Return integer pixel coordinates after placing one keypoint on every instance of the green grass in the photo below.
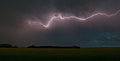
(62, 54)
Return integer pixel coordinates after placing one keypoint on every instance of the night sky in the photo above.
(99, 31)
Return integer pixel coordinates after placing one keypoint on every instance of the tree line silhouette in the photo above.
(7, 46)
(33, 46)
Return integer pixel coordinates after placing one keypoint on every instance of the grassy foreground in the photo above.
(62, 54)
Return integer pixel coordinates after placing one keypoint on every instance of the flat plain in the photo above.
(59, 54)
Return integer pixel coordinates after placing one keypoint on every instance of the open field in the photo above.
(59, 54)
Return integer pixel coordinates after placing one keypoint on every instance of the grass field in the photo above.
(62, 54)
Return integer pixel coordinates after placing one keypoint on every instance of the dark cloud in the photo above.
(14, 14)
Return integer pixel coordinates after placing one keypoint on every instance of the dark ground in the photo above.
(60, 54)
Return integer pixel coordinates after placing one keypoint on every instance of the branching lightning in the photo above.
(74, 17)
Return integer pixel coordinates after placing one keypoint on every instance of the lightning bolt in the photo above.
(74, 17)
